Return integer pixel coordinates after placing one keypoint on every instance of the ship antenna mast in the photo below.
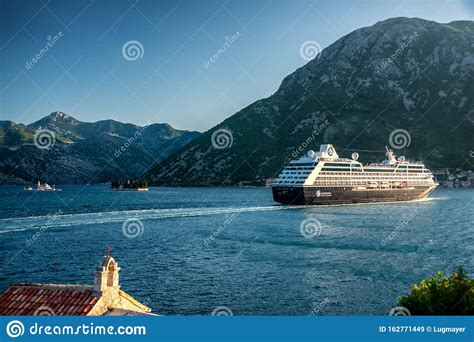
(390, 155)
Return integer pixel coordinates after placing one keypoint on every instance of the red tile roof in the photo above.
(24, 299)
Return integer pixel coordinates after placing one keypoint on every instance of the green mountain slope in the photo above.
(84, 152)
(401, 73)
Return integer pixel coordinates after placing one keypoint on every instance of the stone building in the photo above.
(103, 298)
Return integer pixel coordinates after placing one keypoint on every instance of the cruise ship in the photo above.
(325, 178)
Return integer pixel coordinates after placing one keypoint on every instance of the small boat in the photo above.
(42, 187)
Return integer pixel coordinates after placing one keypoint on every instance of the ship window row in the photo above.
(391, 167)
(372, 177)
(302, 164)
(362, 175)
(293, 177)
(298, 168)
(335, 180)
(340, 180)
(296, 172)
(318, 182)
(289, 182)
(324, 187)
(379, 167)
(335, 169)
(332, 169)
(355, 180)
(337, 164)
(372, 174)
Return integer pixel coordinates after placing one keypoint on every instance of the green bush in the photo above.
(442, 295)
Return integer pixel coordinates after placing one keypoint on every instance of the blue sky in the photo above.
(84, 73)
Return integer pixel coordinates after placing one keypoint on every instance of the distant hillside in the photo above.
(401, 73)
(84, 152)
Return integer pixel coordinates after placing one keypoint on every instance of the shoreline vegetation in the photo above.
(127, 185)
(441, 295)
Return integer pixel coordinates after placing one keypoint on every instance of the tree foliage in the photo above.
(129, 184)
(442, 295)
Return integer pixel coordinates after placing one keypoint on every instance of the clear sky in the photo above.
(84, 73)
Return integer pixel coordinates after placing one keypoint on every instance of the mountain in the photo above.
(83, 152)
(400, 74)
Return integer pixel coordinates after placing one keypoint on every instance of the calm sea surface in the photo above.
(259, 262)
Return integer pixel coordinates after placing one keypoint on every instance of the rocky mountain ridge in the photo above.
(61, 149)
(401, 75)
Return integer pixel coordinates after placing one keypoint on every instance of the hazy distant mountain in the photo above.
(401, 73)
(84, 152)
